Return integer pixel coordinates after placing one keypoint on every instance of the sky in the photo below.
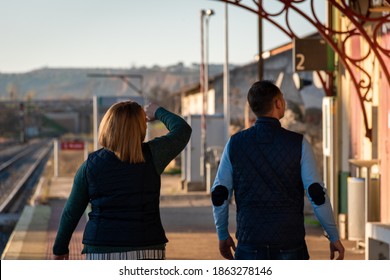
(129, 33)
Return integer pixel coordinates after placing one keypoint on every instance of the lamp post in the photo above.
(204, 85)
(208, 14)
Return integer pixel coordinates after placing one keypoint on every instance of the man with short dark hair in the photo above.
(269, 169)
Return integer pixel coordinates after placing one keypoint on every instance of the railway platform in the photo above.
(191, 238)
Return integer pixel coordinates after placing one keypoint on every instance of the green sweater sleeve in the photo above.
(73, 210)
(165, 148)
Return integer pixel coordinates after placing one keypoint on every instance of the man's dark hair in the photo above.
(260, 97)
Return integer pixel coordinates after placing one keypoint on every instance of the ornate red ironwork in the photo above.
(337, 37)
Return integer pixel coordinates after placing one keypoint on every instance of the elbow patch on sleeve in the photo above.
(317, 193)
(219, 195)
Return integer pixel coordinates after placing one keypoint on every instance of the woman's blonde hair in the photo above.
(122, 131)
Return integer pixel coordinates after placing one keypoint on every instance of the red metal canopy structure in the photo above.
(361, 14)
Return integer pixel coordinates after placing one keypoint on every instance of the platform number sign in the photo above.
(312, 55)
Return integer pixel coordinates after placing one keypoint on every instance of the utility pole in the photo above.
(204, 77)
(226, 79)
(260, 30)
(203, 93)
(260, 62)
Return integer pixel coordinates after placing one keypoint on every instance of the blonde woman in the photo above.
(121, 181)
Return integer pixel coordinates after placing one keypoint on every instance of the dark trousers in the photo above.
(272, 252)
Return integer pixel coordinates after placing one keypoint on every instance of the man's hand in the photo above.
(225, 247)
(336, 246)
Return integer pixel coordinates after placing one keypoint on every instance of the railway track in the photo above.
(20, 168)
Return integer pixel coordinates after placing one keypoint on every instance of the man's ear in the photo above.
(278, 103)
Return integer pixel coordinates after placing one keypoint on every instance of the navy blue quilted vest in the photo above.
(267, 184)
(125, 202)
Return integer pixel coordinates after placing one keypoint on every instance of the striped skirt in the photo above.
(129, 255)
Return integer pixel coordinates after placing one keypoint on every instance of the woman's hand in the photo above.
(150, 111)
(61, 257)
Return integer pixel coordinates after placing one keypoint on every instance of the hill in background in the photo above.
(68, 83)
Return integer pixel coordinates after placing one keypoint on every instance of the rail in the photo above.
(19, 170)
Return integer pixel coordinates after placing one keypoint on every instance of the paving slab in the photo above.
(187, 219)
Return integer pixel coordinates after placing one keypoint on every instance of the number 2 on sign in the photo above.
(300, 61)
